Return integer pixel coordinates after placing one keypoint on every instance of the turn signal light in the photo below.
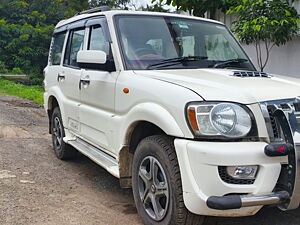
(193, 119)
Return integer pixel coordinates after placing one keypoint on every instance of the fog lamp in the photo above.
(242, 172)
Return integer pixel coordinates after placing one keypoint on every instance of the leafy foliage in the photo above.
(24, 46)
(3, 68)
(200, 7)
(110, 3)
(26, 28)
(157, 7)
(265, 23)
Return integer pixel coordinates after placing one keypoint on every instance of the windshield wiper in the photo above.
(174, 61)
(229, 62)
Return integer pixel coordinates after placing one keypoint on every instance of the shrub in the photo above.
(17, 70)
(3, 67)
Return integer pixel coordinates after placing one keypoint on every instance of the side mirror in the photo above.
(91, 57)
(95, 60)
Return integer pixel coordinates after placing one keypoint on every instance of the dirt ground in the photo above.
(36, 188)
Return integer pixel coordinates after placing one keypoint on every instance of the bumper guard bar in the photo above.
(239, 201)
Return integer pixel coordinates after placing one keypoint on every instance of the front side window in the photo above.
(75, 44)
(97, 40)
(57, 48)
(158, 42)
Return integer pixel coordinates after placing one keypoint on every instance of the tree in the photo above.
(157, 7)
(109, 3)
(25, 34)
(26, 27)
(199, 7)
(265, 23)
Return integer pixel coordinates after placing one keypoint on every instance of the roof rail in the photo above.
(94, 10)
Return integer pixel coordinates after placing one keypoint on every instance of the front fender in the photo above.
(156, 115)
(144, 112)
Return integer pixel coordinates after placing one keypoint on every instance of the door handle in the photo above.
(60, 76)
(84, 81)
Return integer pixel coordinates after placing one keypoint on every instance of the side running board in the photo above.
(97, 155)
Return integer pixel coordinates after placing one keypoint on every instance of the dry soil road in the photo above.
(36, 188)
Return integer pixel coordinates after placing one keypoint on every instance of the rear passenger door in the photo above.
(98, 95)
(70, 76)
(54, 67)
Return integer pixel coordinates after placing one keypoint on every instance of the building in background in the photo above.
(284, 60)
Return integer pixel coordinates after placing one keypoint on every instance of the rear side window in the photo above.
(97, 40)
(75, 44)
(57, 48)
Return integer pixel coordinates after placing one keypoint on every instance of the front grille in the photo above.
(230, 180)
(290, 107)
(250, 74)
(274, 124)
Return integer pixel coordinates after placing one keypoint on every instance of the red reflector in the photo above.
(280, 149)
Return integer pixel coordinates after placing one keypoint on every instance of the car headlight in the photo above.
(219, 119)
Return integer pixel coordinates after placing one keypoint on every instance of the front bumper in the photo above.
(199, 162)
(278, 178)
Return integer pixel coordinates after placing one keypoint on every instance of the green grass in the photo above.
(33, 93)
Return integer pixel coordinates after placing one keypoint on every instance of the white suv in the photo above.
(173, 107)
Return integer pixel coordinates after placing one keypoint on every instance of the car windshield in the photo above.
(166, 42)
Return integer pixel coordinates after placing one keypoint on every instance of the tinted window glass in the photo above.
(219, 48)
(57, 48)
(97, 40)
(148, 41)
(75, 44)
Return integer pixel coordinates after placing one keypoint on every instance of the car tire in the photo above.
(157, 186)
(62, 150)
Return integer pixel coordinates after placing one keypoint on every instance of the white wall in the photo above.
(284, 60)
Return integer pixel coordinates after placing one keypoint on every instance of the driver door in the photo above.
(97, 91)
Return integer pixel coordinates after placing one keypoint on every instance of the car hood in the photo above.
(221, 85)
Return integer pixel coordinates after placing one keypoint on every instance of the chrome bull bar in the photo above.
(295, 196)
(240, 201)
(288, 123)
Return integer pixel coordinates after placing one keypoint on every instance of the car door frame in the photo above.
(70, 78)
(98, 131)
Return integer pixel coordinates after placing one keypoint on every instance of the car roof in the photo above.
(126, 12)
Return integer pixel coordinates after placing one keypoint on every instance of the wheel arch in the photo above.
(51, 104)
(135, 134)
(142, 121)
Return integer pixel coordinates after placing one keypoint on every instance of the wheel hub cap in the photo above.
(153, 188)
(57, 133)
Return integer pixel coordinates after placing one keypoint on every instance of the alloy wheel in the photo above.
(153, 188)
(57, 132)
